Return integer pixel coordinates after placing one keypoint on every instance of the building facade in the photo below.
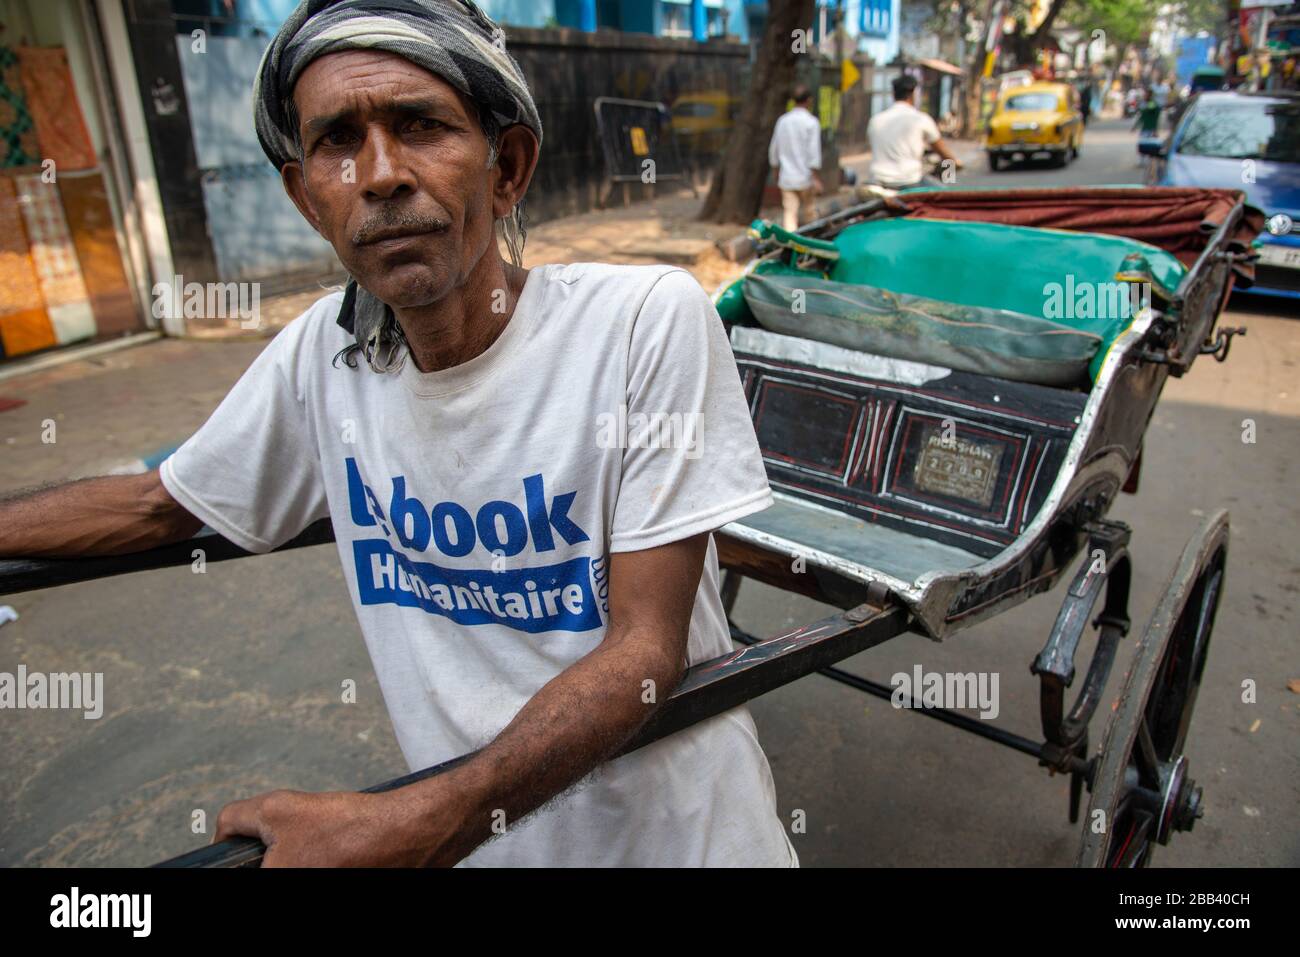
(872, 25)
(78, 224)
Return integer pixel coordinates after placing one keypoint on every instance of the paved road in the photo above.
(227, 683)
(1108, 157)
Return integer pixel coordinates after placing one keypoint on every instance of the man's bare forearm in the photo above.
(112, 515)
(578, 720)
(940, 147)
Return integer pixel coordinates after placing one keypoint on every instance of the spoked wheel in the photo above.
(1142, 792)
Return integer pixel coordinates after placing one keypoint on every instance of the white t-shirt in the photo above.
(796, 148)
(476, 508)
(899, 137)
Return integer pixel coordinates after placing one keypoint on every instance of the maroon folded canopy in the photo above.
(1177, 219)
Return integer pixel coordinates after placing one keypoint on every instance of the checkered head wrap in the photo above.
(452, 39)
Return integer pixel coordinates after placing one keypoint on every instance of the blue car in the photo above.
(1248, 141)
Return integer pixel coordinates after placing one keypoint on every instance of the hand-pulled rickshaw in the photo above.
(950, 388)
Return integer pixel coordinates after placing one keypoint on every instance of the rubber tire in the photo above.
(1205, 554)
(995, 163)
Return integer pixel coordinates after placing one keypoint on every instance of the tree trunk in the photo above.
(974, 74)
(970, 126)
(736, 193)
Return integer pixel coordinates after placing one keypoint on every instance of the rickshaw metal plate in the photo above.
(958, 467)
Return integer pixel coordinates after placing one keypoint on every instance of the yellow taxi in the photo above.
(1032, 120)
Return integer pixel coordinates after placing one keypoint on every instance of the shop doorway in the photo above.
(65, 277)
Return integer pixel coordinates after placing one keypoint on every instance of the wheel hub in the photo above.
(1180, 801)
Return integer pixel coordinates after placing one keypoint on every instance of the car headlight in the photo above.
(1279, 224)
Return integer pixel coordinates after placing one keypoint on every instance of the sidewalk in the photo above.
(662, 230)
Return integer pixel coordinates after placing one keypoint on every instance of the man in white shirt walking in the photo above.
(900, 137)
(796, 154)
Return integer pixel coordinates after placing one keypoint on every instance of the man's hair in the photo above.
(452, 39)
(904, 87)
(802, 94)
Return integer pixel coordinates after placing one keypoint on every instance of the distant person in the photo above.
(1147, 124)
(1132, 102)
(1148, 116)
(900, 137)
(795, 153)
(1085, 101)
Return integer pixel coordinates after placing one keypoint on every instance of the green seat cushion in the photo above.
(993, 342)
(730, 302)
(1063, 278)
(1021, 269)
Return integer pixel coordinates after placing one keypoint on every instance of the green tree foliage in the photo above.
(1124, 21)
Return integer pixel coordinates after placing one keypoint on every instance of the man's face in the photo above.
(394, 174)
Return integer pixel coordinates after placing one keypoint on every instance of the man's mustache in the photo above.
(389, 224)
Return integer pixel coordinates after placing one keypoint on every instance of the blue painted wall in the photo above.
(1192, 52)
(524, 13)
(639, 16)
(633, 16)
